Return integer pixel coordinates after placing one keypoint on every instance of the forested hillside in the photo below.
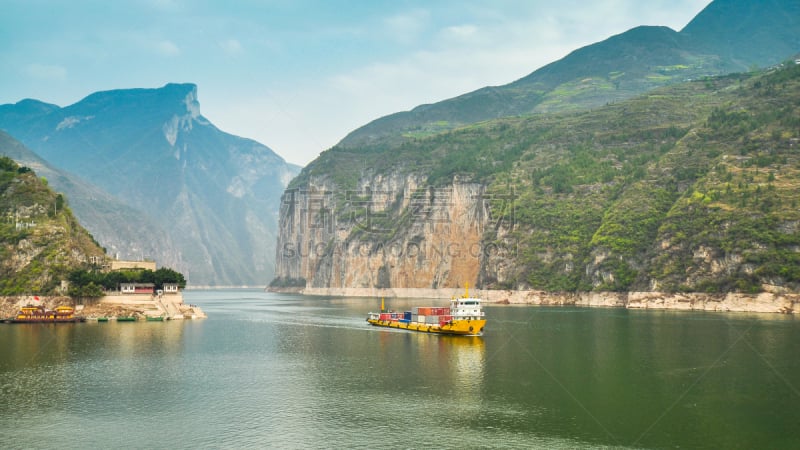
(40, 240)
(687, 188)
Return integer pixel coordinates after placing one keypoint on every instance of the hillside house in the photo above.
(137, 288)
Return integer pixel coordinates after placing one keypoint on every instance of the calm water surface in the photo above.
(283, 371)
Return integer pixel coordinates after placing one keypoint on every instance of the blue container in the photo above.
(404, 321)
(407, 315)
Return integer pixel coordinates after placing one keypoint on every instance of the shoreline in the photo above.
(140, 306)
(765, 302)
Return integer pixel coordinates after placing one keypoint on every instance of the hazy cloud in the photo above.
(460, 32)
(164, 5)
(407, 27)
(232, 47)
(46, 72)
(167, 48)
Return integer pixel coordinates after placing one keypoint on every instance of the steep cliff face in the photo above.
(390, 231)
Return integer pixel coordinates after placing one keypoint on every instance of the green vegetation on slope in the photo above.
(40, 240)
(688, 188)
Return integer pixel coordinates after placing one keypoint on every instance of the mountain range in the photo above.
(637, 163)
(151, 177)
(727, 36)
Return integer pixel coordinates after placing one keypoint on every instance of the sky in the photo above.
(299, 75)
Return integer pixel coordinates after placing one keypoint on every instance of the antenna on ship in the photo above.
(383, 308)
(466, 289)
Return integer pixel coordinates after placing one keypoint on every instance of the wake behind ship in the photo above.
(465, 316)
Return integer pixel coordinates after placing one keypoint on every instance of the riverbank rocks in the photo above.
(766, 302)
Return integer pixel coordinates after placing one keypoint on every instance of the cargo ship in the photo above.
(40, 314)
(464, 316)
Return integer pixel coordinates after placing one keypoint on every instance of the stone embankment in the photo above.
(168, 306)
(731, 302)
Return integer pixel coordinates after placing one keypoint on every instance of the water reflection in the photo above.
(467, 355)
(289, 371)
(53, 366)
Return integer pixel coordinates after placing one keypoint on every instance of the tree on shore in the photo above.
(85, 283)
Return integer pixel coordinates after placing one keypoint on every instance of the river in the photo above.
(287, 371)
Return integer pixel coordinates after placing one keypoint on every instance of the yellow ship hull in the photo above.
(461, 327)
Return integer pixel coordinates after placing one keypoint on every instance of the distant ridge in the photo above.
(214, 194)
(747, 33)
(727, 36)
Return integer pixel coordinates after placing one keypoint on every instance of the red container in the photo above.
(385, 316)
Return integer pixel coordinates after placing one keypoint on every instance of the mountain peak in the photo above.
(187, 92)
(172, 98)
(26, 109)
(747, 32)
(727, 36)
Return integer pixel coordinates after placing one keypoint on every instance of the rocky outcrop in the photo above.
(169, 306)
(730, 302)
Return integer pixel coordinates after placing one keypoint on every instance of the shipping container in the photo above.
(415, 310)
(385, 316)
(432, 320)
(425, 311)
(407, 315)
(420, 319)
(404, 321)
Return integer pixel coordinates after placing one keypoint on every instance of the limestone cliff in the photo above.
(392, 230)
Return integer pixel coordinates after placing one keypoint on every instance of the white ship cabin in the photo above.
(466, 308)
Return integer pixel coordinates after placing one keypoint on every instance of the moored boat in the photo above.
(464, 316)
(40, 314)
